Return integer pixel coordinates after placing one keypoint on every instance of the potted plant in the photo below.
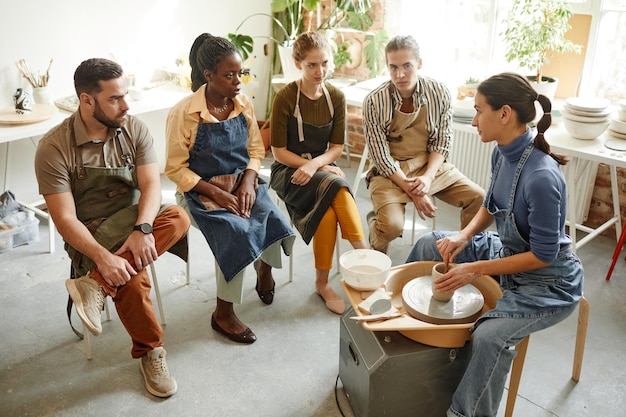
(535, 30)
(291, 17)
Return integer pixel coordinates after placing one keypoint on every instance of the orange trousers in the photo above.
(344, 211)
(132, 300)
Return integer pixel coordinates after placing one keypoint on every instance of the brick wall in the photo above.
(601, 208)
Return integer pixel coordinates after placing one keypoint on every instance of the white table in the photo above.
(158, 98)
(587, 151)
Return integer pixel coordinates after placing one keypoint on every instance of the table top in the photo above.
(158, 98)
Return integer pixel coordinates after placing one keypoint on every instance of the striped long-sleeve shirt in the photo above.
(378, 110)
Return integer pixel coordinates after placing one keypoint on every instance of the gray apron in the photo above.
(307, 204)
(222, 148)
(539, 292)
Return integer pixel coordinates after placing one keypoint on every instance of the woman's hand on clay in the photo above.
(450, 247)
(457, 277)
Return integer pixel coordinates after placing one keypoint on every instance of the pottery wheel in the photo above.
(465, 305)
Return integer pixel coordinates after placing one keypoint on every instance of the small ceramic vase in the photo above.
(23, 102)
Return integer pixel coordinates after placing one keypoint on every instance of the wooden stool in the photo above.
(518, 362)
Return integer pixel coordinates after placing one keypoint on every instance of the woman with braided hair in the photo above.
(214, 153)
(540, 276)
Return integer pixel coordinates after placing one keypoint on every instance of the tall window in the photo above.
(460, 39)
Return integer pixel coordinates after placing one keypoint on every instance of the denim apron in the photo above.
(307, 204)
(539, 292)
(222, 148)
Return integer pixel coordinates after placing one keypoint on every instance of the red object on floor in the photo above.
(618, 249)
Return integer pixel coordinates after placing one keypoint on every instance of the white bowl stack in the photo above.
(586, 118)
(617, 127)
(463, 111)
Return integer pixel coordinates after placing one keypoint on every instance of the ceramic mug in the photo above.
(438, 271)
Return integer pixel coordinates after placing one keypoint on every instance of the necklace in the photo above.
(219, 110)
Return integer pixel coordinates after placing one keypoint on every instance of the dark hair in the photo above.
(206, 53)
(308, 41)
(516, 91)
(90, 72)
(403, 42)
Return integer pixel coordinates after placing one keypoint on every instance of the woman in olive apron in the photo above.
(214, 154)
(307, 136)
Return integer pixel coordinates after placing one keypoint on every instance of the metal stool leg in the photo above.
(616, 252)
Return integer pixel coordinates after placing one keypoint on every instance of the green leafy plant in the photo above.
(535, 29)
(288, 18)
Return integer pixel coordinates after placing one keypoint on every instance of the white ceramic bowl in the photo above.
(364, 269)
(618, 125)
(583, 130)
(621, 113)
(622, 104)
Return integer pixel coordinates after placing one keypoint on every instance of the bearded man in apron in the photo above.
(99, 176)
(407, 123)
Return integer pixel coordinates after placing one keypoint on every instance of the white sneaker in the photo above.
(88, 297)
(157, 376)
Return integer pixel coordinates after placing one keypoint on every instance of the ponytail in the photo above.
(543, 125)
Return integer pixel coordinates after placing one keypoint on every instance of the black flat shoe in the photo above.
(247, 336)
(266, 296)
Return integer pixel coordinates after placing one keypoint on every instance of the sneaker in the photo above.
(158, 380)
(88, 297)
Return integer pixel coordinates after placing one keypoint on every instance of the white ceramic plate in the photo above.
(616, 144)
(568, 114)
(618, 126)
(615, 134)
(590, 104)
(464, 306)
(586, 113)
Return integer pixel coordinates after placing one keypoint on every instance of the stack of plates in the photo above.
(586, 118)
(617, 128)
(463, 111)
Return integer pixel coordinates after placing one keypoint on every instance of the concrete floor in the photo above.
(291, 370)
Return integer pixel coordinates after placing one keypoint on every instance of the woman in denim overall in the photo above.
(540, 276)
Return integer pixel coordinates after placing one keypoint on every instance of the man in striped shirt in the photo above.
(408, 129)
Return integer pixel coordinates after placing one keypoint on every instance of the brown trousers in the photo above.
(132, 300)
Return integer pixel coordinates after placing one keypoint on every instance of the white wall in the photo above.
(142, 35)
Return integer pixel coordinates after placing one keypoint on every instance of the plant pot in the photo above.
(264, 128)
(547, 87)
(290, 71)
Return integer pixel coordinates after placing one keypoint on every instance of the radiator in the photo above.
(470, 155)
(473, 158)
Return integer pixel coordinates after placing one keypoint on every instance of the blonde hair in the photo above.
(308, 41)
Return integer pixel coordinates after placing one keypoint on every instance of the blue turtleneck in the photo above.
(540, 204)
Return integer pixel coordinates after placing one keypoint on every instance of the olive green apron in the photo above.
(408, 144)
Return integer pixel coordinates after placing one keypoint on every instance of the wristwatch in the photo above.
(144, 228)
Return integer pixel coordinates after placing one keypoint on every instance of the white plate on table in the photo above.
(588, 104)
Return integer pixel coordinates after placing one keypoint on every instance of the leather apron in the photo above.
(307, 205)
(408, 144)
(222, 148)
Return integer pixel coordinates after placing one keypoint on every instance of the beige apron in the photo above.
(408, 141)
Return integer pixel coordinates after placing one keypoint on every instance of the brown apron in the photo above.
(408, 141)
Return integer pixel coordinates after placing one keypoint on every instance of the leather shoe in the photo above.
(266, 296)
(247, 336)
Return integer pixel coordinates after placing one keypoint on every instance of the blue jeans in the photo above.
(480, 391)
